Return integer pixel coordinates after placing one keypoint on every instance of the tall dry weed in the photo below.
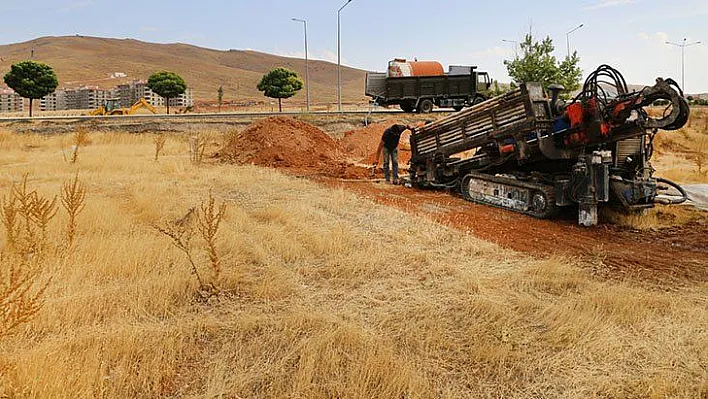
(43, 211)
(159, 140)
(21, 293)
(73, 195)
(197, 147)
(80, 139)
(206, 221)
(10, 219)
(24, 202)
(26, 216)
(209, 217)
(181, 233)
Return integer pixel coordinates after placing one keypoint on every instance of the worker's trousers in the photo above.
(392, 157)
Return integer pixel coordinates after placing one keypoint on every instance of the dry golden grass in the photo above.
(323, 294)
(682, 155)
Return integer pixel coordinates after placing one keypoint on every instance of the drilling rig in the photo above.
(533, 153)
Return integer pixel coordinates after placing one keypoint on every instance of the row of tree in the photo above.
(34, 80)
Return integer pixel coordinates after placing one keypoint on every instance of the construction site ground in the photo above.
(338, 152)
(674, 248)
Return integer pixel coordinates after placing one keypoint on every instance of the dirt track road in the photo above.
(671, 255)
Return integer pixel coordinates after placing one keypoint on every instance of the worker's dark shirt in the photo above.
(391, 136)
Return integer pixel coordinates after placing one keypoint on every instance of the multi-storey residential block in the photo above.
(86, 97)
(183, 100)
(129, 93)
(91, 97)
(11, 101)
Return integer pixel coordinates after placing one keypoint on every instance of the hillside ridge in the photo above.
(88, 60)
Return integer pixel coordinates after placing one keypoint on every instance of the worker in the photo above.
(389, 146)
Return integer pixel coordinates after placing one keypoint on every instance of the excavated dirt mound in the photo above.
(284, 142)
(360, 145)
(281, 142)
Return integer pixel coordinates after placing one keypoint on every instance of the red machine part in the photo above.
(586, 121)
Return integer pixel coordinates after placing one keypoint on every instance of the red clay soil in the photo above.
(360, 145)
(284, 142)
(673, 256)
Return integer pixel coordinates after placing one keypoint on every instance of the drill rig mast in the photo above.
(529, 153)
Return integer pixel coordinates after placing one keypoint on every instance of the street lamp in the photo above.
(307, 67)
(339, 58)
(513, 42)
(567, 37)
(683, 46)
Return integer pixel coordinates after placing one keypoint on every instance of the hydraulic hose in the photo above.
(671, 201)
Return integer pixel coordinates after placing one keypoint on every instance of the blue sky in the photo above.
(627, 34)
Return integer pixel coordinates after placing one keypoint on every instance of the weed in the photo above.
(79, 138)
(159, 139)
(181, 233)
(43, 211)
(21, 295)
(8, 215)
(208, 219)
(24, 202)
(73, 195)
(197, 146)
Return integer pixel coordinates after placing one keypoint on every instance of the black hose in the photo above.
(671, 201)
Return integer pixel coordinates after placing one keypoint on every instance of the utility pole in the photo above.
(683, 46)
(339, 58)
(307, 67)
(567, 37)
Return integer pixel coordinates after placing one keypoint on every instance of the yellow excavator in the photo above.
(112, 107)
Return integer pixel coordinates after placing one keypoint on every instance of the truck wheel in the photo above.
(477, 100)
(457, 108)
(425, 106)
(406, 107)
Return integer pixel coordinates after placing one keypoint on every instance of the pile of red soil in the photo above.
(284, 142)
(360, 145)
(281, 142)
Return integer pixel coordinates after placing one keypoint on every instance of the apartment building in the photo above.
(11, 101)
(91, 97)
(129, 93)
(85, 97)
(183, 100)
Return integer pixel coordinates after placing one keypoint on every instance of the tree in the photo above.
(280, 83)
(167, 85)
(220, 96)
(31, 80)
(538, 64)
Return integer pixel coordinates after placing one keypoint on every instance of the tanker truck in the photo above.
(533, 153)
(421, 85)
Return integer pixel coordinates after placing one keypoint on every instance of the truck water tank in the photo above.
(400, 67)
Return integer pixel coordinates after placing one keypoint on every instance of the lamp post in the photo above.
(683, 46)
(567, 37)
(513, 42)
(307, 67)
(339, 58)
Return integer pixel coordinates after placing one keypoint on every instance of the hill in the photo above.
(91, 60)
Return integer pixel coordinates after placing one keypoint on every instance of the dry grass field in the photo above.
(683, 155)
(319, 293)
